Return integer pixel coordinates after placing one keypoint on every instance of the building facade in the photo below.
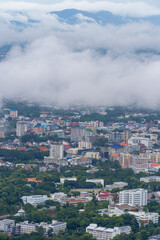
(135, 197)
(34, 199)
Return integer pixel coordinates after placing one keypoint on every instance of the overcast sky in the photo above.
(61, 62)
(123, 7)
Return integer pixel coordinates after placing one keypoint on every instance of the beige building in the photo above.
(26, 227)
(126, 135)
(95, 155)
(84, 145)
(13, 113)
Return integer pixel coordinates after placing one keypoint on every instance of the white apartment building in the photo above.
(136, 140)
(116, 185)
(144, 218)
(6, 225)
(13, 113)
(57, 150)
(62, 180)
(102, 233)
(34, 199)
(135, 197)
(21, 128)
(55, 225)
(96, 181)
(26, 227)
(150, 179)
(95, 155)
(58, 197)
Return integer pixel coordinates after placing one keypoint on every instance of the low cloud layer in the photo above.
(83, 63)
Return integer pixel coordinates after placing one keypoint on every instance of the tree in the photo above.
(50, 232)
(40, 230)
(75, 193)
(80, 205)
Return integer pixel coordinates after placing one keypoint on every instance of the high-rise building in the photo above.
(77, 134)
(134, 197)
(21, 128)
(89, 132)
(6, 225)
(126, 135)
(139, 164)
(57, 150)
(13, 113)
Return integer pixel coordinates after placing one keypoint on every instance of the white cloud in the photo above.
(122, 7)
(61, 62)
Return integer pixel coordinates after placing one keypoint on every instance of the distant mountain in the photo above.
(74, 16)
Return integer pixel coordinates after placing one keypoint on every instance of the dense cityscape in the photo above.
(78, 172)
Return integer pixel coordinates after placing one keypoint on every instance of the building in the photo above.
(13, 113)
(96, 181)
(155, 237)
(89, 132)
(62, 180)
(126, 135)
(141, 140)
(154, 157)
(116, 185)
(2, 134)
(139, 164)
(21, 128)
(26, 227)
(58, 133)
(34, 199)
(117, 212)
(94, 155)
(77, 134)
(57, 150)
(84, 145)
(102, 233)
(33, 180)
(105, 196)
(124, 160)
(150, 179)
(59, 197)
(79, 161)
(134, 148)
(20, 213)
(55, 226)
(135, 197)
(6, 225)
(116, 137)
(144, 218)
(50, 162)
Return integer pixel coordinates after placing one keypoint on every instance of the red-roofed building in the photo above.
(74, 124)
(66, 147)
(21, 148)
(105, 196)
(33, 180)
(44, 149)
